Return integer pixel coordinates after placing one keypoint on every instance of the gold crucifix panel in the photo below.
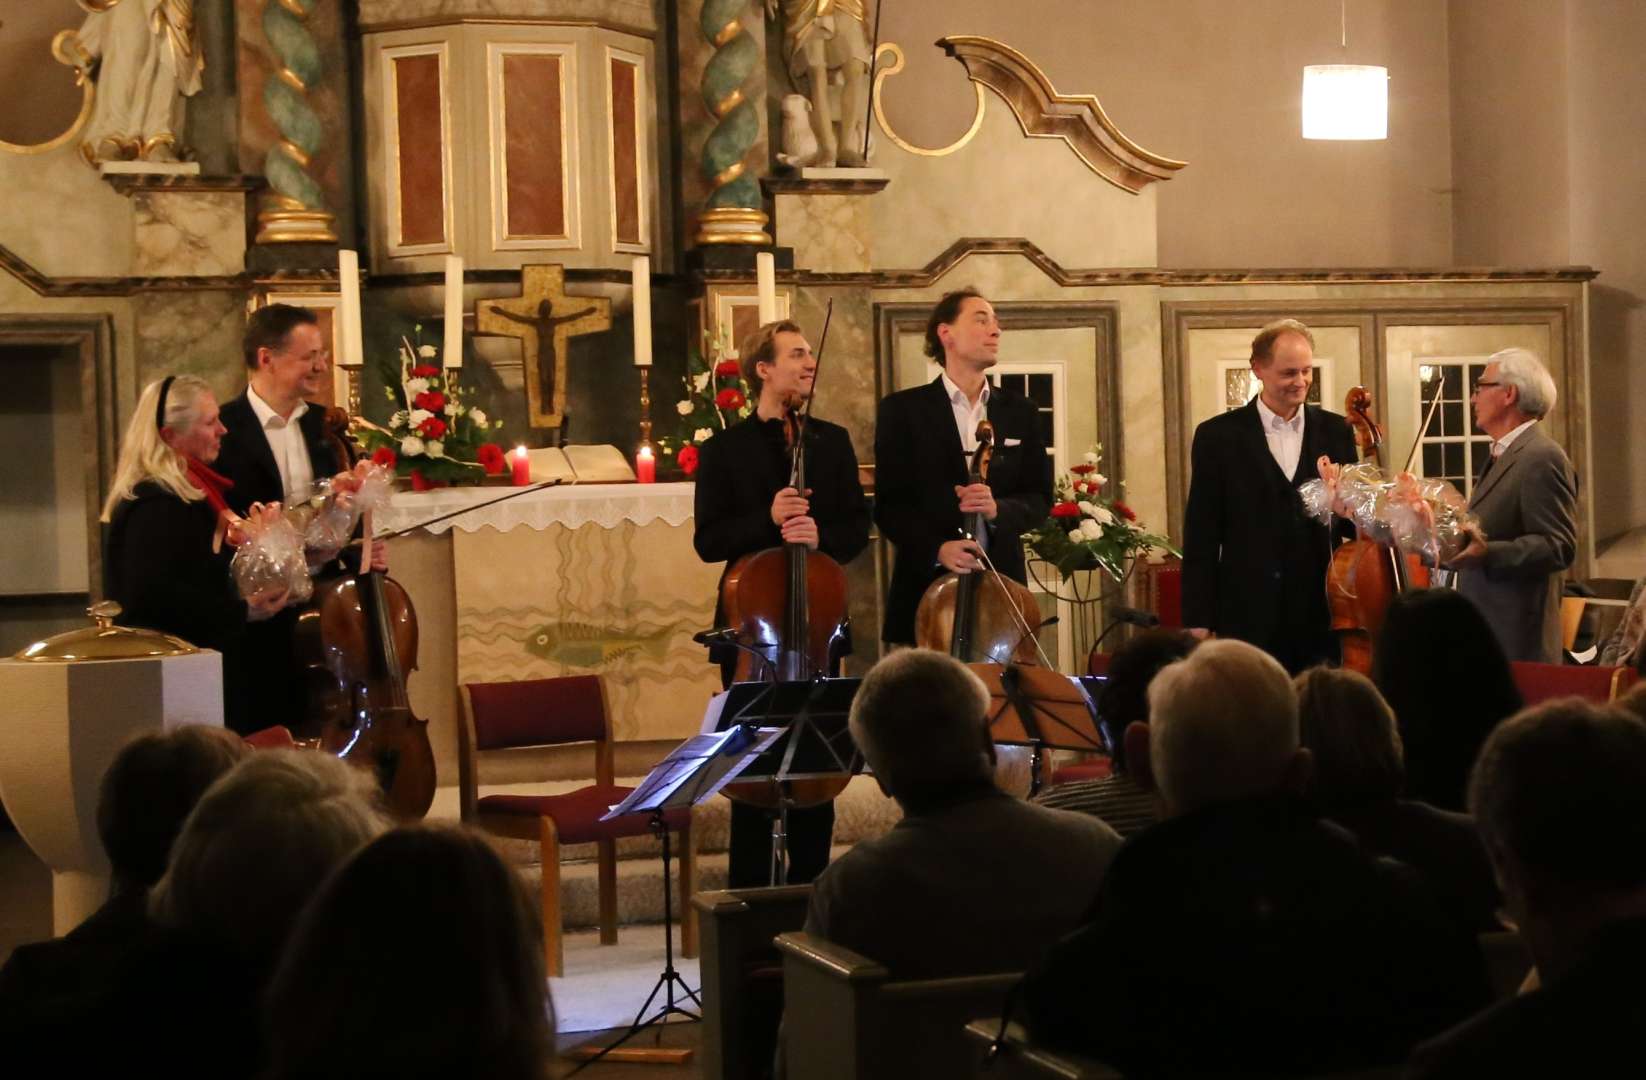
(545, 320)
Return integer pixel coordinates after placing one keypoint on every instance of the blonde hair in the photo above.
(144, 455)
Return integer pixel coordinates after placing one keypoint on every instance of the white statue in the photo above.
(799, 140)
(150, 63)
(826, 44)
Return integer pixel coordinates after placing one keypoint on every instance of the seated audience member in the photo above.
(149, 788)
(1560, 797)
(1120, 800)
(1623, 648)
(1357, 776)
(1443, 672)
(421, 957)
(1243, 934)
(972, 880)
(1635, 700)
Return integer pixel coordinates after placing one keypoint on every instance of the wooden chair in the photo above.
(551, 712)
(845, 1017)
(1540, 682)
(743, 975)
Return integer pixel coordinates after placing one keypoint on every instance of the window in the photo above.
(1043, 385)
(1451, 447)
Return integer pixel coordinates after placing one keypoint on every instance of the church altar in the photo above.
(583, 579)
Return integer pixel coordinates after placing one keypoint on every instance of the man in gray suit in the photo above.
(1526, 500)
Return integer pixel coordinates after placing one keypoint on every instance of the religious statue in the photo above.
(544, 323)
(545, 337)
(151, 61)
(826, 45)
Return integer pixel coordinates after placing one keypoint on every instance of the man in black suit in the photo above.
(922, 441)
(1254, 565)
(744, 504)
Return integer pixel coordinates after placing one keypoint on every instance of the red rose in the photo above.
(730, 399)
(1083, 468)
(384, 456)
(491, 456)
(727, 369)
(1065, 510)
(432, 400)
(688, 459)
(432, 428)
(1124, 511)
(425, 371)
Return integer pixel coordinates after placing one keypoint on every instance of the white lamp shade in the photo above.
(1345, 101)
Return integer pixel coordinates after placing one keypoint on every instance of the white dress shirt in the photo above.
(1503, 444)
(291, 454)
(1285, 437)
(966, 415)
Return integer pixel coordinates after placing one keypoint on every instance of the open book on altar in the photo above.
(604, 464)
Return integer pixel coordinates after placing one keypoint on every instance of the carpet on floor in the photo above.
(605, 985)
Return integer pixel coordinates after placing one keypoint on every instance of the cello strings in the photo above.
(1017, 616)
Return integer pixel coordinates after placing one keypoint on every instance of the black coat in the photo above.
(742, 469)
(918, 461)
(1254, 567)
(246, 459)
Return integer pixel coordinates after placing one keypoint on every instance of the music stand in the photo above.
(813, 740)
(1041, 709)
(692, 772)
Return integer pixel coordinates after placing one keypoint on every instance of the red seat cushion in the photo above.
(577, 814)
(1541, 682)
(1086, 770)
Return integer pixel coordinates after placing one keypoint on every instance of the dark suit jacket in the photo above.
(246, 459)
(1248, 549)
(918, 461)
(1527, 505)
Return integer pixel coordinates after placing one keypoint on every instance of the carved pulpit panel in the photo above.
(545, 320)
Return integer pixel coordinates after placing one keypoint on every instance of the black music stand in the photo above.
(692, 772)
(1041, 709)
(812, 740)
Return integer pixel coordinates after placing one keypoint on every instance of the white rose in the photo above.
(453, 408)
(416, 386)
(427, 351)
(1098, 478)
(478, 417)
(1097, 513)
(397, 419)
(701, 435)
(683, 407)
(411, 446)
(1091, 530)
(416, 417)
(700, 382)
(436, 448)
(1091, 457)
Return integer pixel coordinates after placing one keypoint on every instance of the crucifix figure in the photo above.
(544, 336)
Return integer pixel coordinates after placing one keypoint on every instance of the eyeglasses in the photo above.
(1484, 383)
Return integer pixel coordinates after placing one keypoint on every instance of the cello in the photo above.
(1365, 575)
(983, 615)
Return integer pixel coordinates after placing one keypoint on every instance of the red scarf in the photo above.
(211, 482)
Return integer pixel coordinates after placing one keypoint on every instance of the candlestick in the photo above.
(451, 356)
(522, 466)
(641, 274)
(645, 405)
(348, 287)
(765, 273)
(645, 466)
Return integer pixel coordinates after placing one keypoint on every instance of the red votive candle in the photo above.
(645, 466)
(522, 466)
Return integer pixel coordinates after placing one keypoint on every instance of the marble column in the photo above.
(721, 47)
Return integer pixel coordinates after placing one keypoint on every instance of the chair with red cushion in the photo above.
(551, 712)
(1540, 682)
(1160, 589)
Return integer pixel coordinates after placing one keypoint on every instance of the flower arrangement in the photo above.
(717, 396)
(433, 436)
(1088, 530)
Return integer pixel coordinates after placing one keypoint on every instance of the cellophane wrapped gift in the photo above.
(1424, 517)
(270, 559)
(341, 503)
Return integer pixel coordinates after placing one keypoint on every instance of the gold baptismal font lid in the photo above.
(105, 641)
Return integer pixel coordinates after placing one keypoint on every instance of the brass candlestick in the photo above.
(645, 405)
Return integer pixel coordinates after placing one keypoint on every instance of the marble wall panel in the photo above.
(190, 233)
(830, 234)
(627, 226)
(195, 332)
(633, 14)
(534, 130)
(419, 115)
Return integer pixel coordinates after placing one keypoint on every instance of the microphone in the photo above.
(726, 635)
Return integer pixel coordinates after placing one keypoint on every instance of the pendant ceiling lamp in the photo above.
(1345, 101)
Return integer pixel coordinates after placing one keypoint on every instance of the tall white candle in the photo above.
(642, 274)
(339, 385)
(765, 271)
(451, 353)
(348, 286)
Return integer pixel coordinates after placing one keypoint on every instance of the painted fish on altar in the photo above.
(586, 645)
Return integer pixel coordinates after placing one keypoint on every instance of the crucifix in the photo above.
(545, 320)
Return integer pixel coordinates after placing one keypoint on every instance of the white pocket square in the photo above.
(1014, 442)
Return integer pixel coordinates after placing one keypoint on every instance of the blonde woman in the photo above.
(161, 563)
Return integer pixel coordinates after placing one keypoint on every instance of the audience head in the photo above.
(1349, 731)
(1443, 672)
(1635, 700)
(421, 956)
(1559, 796)
(259, 843)
(1223, 726)
(149, 789)
(919, 719)
(1125, 696)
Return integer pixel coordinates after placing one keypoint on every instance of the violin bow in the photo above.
(380, 537)
(1417, 440)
